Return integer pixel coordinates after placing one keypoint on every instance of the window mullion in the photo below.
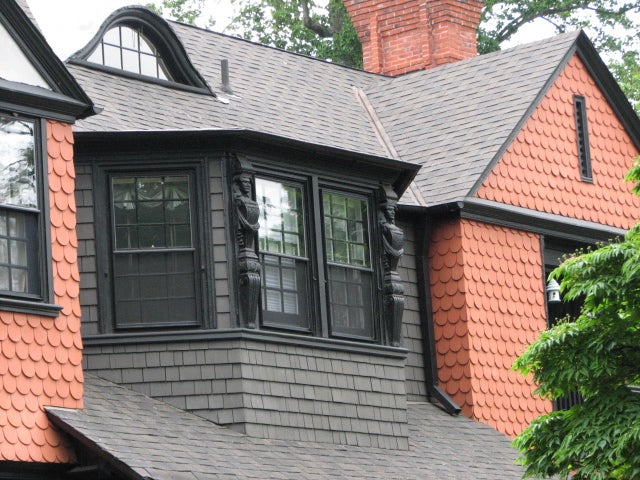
(319, 272)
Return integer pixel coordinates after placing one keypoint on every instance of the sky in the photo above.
(69, 24)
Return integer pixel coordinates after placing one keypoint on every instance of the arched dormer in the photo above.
(136, 42)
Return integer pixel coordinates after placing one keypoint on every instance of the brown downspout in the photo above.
(434, 391)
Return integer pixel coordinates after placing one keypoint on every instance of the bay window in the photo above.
(315, 251)
(154, 259)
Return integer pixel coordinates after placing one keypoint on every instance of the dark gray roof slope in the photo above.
(275, 92)
(453, 120)
(161, 442)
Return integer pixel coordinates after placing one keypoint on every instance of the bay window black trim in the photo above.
(196, 171)
(319, 307)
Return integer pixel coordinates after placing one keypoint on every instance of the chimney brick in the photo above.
(401, 36)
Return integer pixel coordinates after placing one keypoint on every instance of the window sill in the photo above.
(29, 307)
(244, 334)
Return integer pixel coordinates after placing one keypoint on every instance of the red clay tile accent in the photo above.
(540, 169)
(40, 357)
(488, 301)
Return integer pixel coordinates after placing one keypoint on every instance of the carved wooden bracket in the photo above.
(247, 214)
(392, 242)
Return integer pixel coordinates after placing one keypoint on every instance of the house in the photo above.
(278, 265)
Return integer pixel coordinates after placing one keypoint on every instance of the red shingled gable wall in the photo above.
(487, 281)
(540, 169)
(40, 357)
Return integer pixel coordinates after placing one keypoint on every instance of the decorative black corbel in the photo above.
(392, 242)
(247, 213)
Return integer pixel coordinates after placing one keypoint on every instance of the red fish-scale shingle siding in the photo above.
(488, 302)
(540, 170)
(40, 357)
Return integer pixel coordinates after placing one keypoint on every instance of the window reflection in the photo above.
(17, 166)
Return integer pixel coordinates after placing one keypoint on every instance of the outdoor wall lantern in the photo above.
(553, 292)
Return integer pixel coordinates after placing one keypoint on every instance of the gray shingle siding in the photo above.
(412, 327)
(269, 390)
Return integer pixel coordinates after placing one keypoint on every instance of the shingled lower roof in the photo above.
(454, 119)
(146, 438)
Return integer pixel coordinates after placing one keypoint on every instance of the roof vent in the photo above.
(224, 71)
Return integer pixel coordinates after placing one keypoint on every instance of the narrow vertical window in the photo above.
(346, 237)
(582, 132)
(283, 255)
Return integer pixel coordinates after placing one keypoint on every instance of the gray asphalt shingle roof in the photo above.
(454, 119)
(275, 92)
(162, 442)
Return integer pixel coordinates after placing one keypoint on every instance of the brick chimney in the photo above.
(401, 36)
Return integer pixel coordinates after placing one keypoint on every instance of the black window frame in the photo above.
(105, 241)
(582, 138)
(313, 185)
(181, 72)
(160, 64)
(39, 299)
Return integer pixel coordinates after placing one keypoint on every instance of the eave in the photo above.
(399, 173)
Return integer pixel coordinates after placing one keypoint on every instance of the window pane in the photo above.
(145, 46)
(96, 56)
(152, 212)
(351, 302)
(148, 65)
(4, 278)
(112, 56)
(112, 36)
(4, 250)
(19, 280)
(154, 289)
(17, 164)
(129, 38)
(346, 230)
(130, 61)
(284, 291)
(281, 218)
(19, 252)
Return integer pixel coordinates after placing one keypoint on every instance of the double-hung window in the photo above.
(317, 269)
(20, 272)
(348, 260)
(154, 258)
(283, 254)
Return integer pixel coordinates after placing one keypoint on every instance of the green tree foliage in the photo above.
(300, 26)
(598, 355)
(185, 11)
(612, 25)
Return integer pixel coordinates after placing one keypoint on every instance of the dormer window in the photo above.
(135, 42)
(128, 49)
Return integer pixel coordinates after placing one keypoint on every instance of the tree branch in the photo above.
(313, 25)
